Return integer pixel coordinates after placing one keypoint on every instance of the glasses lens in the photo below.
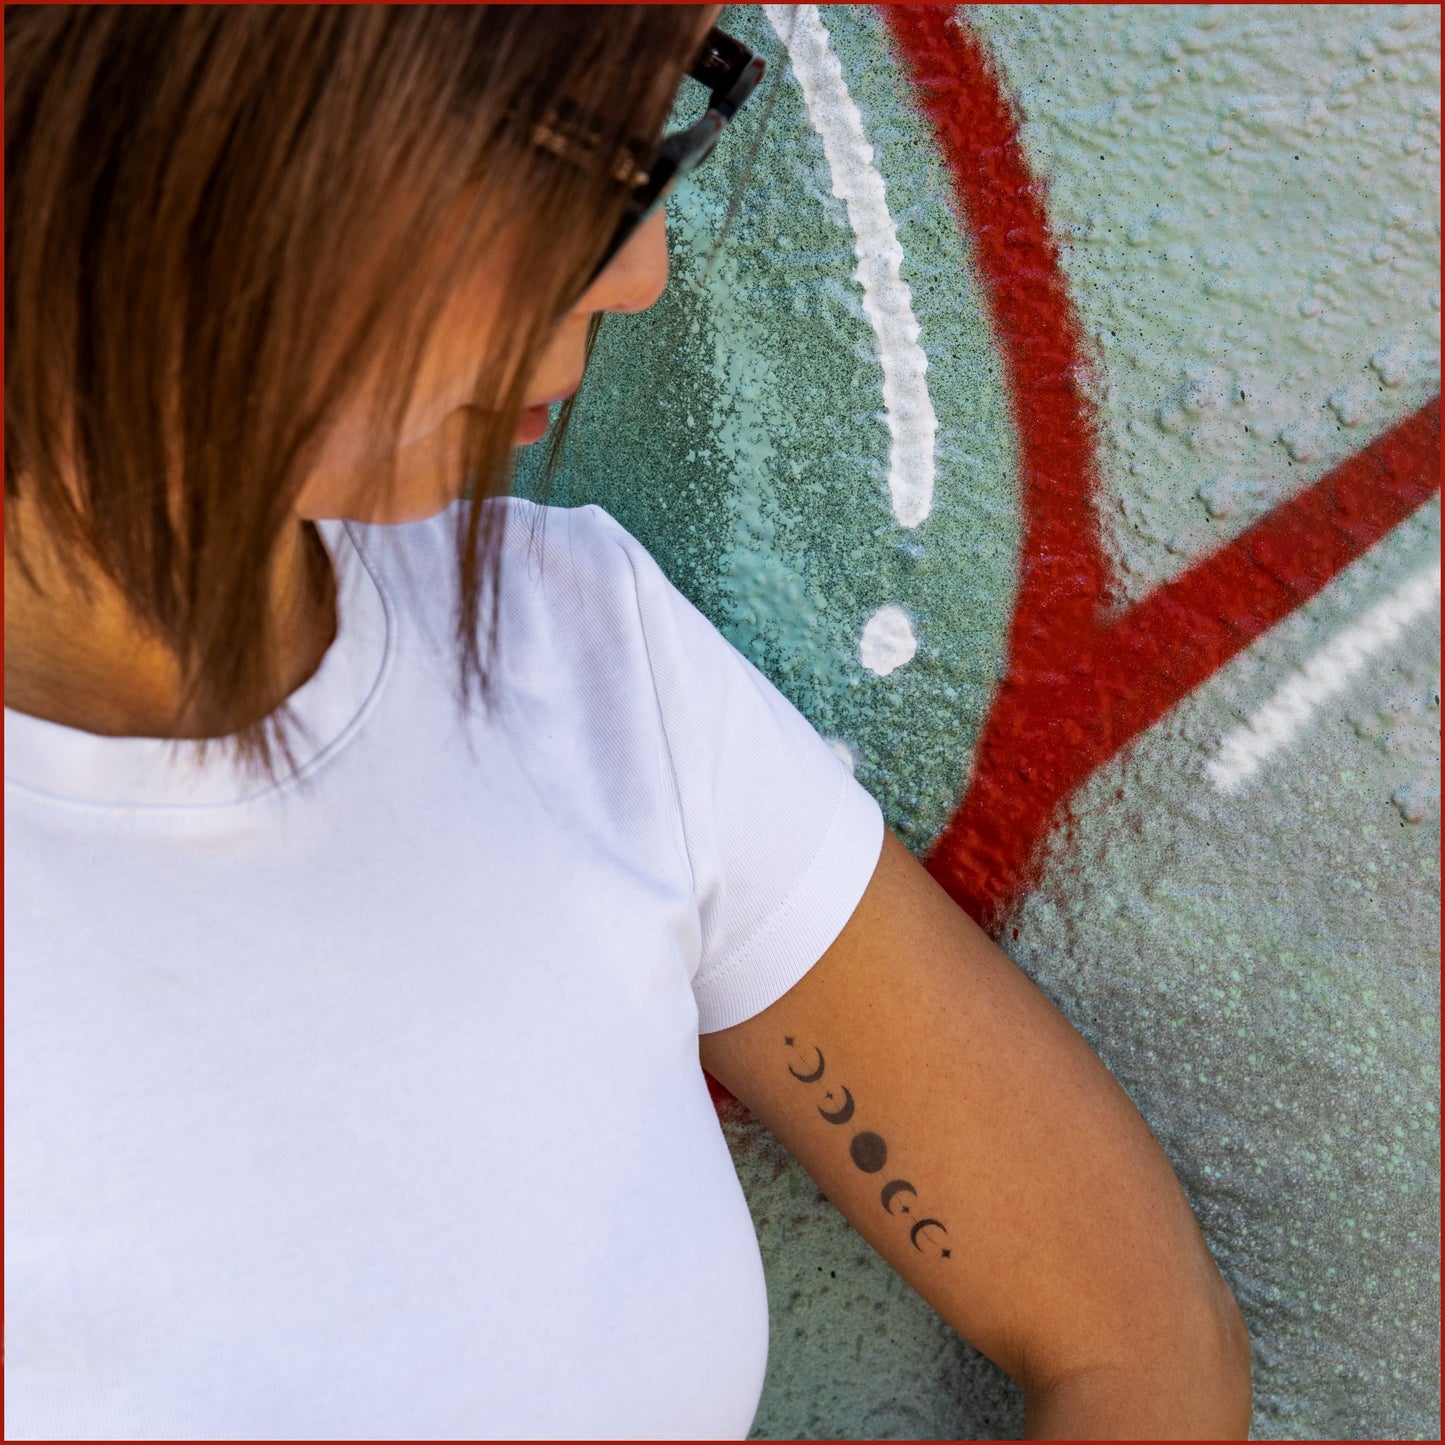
(691, 139)
(705, 150)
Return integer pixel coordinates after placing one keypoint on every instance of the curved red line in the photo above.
(1076, 688)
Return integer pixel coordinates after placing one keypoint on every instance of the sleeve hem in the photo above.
(802, 927)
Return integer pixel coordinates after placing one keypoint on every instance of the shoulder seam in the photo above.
(680, 816)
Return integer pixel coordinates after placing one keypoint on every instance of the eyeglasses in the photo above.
(731, 73)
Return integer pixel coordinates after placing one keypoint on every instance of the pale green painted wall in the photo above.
(1260, 970)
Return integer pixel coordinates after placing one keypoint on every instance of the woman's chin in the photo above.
(404, 505)
(417, 494)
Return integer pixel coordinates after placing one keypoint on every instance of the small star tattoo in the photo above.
(948, 1254)
(788, 1042)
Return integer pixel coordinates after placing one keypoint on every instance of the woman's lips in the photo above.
(532, 425)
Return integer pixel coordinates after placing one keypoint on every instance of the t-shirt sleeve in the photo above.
(781, 838)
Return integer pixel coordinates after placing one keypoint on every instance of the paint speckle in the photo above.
(1349, 405)
(1390, 365)
(1301, 439)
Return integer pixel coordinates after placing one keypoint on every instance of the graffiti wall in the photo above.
(1047, 399)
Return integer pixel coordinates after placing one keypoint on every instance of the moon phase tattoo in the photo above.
(869, 1153)
(809, 1078)
(919, 1227)
(892, 1189)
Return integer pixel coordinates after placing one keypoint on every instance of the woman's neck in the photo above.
(88, 663)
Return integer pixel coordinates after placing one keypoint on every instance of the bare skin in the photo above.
(964, 1128)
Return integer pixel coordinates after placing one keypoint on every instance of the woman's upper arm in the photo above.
(969, 1133)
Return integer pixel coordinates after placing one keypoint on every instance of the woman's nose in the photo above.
(636, 276)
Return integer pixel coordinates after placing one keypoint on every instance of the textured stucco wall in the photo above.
(1058, 427)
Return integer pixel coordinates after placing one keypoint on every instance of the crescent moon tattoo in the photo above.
(923, 1224)
(840, 1115)
(809, 1078)
(895, 1187)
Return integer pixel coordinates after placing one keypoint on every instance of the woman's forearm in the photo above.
(1146, 1403)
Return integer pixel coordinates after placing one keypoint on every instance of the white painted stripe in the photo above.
(1276, 724)
(887, 301)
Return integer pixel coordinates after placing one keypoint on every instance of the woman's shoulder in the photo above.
(573, 539)
(568, 576)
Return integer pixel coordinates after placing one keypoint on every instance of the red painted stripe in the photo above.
(1177, 636)
(1077, 689)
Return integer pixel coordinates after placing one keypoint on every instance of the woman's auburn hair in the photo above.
(212, 223)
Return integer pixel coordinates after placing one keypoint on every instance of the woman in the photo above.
(354, 1018)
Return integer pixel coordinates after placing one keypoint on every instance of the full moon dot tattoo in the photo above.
(869, 1152)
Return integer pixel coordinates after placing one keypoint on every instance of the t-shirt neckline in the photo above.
(68, 765)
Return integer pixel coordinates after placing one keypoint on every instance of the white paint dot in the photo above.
(888, 641)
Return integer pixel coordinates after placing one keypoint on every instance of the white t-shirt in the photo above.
(371, 1108)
